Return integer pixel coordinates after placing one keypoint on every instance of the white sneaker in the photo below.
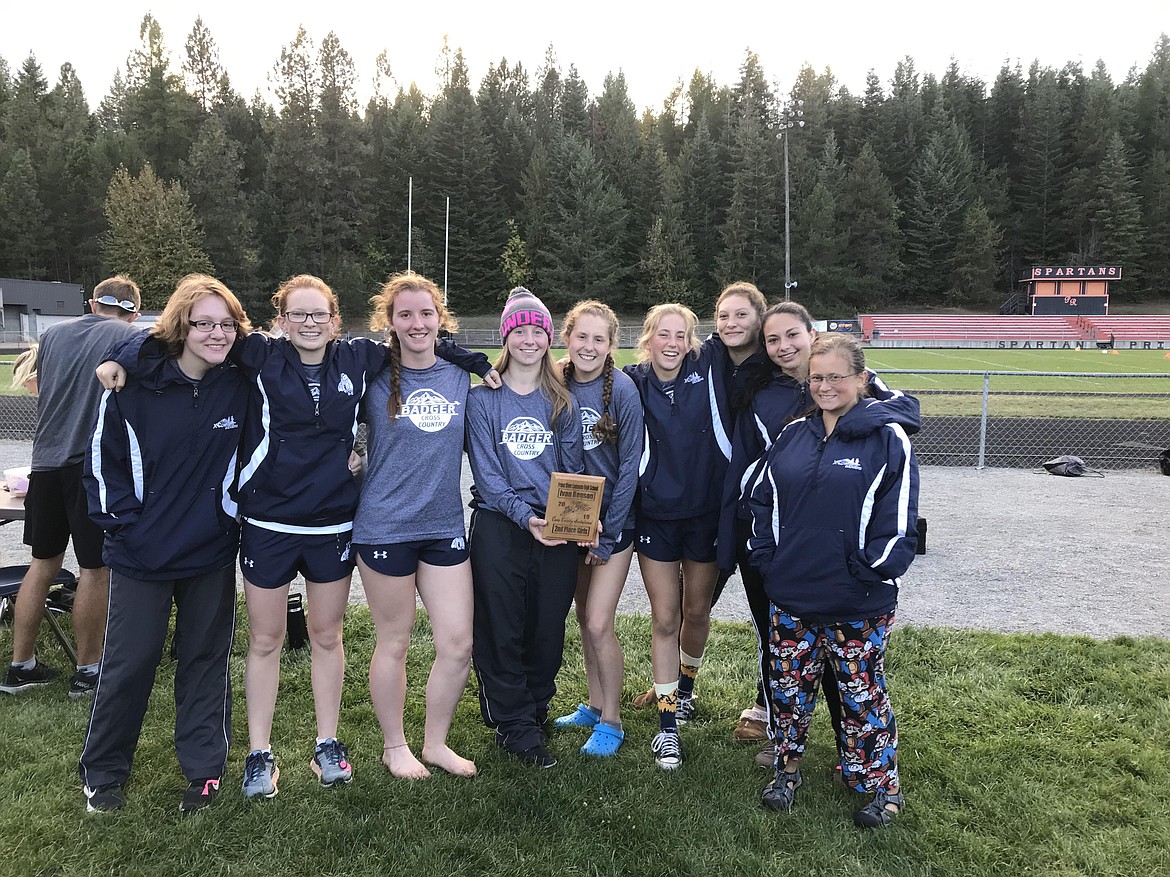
(668, 749)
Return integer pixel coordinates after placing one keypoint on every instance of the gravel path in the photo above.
(1008, 550)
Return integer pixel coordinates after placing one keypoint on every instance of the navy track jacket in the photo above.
(834, 518)
(757, 426)
(161, 469)
(687, 442)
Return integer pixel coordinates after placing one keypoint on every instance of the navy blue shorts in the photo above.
(402, 558)
(269, 559)
(624, 541)
(671, 541)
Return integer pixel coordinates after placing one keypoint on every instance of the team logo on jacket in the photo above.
(693, 378)
(427, 410)
(849, 463)
(345, 385)
(589, 418)
(526, 438)
(228, 422)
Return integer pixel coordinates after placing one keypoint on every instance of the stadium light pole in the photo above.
(791, 116)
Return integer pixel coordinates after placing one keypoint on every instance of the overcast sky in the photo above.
(654, 44)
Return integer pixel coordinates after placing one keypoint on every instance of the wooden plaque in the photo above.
(574, 507)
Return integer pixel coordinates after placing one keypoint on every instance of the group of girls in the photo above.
(816, 470)
(211, 410)
(694, 431)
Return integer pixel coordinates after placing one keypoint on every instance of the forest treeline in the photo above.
(924, 190)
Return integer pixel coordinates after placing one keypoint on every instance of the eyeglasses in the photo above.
(831, 380)
(114, 301)
(301, 316)
(228, 326)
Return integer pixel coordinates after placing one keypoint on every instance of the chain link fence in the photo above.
(979, 419)
(1020, 419)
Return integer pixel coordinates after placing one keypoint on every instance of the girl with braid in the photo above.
(409, 533)
(611, 432)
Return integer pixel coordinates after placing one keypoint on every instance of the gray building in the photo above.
(28, 307)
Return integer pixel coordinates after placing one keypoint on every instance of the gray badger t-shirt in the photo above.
(411, 490)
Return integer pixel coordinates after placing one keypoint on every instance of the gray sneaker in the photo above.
(331, 763)
(260, 775)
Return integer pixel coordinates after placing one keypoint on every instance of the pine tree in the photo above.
(618, 145)
(206, 78)
(505, 105)
(869, 214)
(582, 256)
(705, 197)
(753, 245)
(1156, 211)
(23, 218)
(25, 120)
(165, 116)
(70, 192)
(344, 199)
(975, 264)
(1115, 217)
(460, 167)
(290, 223)
(1042, 170)
(153, 234)
(213, 173)
(942, 189)
(668, 261)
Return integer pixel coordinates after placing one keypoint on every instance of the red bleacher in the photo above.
(1131, 327)
(940, 327)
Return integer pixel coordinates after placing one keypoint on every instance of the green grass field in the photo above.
(1021, 396)
(1020, 754)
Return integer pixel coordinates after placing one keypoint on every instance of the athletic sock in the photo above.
(89, 668)
(25, 665)
(617, 726)
(594, 710)
(688, 669)
(667, 693)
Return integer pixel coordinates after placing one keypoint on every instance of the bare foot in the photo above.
(400, 761)
(444, 758)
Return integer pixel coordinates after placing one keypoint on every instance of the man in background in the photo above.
(56, 506)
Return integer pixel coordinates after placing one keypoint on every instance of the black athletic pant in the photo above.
(761, 609)
(139, 613)
(523, 592)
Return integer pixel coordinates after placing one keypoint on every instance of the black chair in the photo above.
(59, 602)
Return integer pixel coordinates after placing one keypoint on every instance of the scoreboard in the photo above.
(1084, 305)
(1071, 290)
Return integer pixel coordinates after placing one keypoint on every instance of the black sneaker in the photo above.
(17, 680)
(536, 756)
(199, 794)
(105, 798)
(82, 683)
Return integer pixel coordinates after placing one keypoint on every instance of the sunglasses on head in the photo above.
(116, 302)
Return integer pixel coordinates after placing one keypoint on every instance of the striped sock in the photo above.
(667, 704)
(688, 669)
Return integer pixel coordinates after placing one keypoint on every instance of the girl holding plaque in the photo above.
(611, 433)
(517, 437)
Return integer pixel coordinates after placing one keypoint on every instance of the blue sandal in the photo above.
(605, 741)
(581, 717)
